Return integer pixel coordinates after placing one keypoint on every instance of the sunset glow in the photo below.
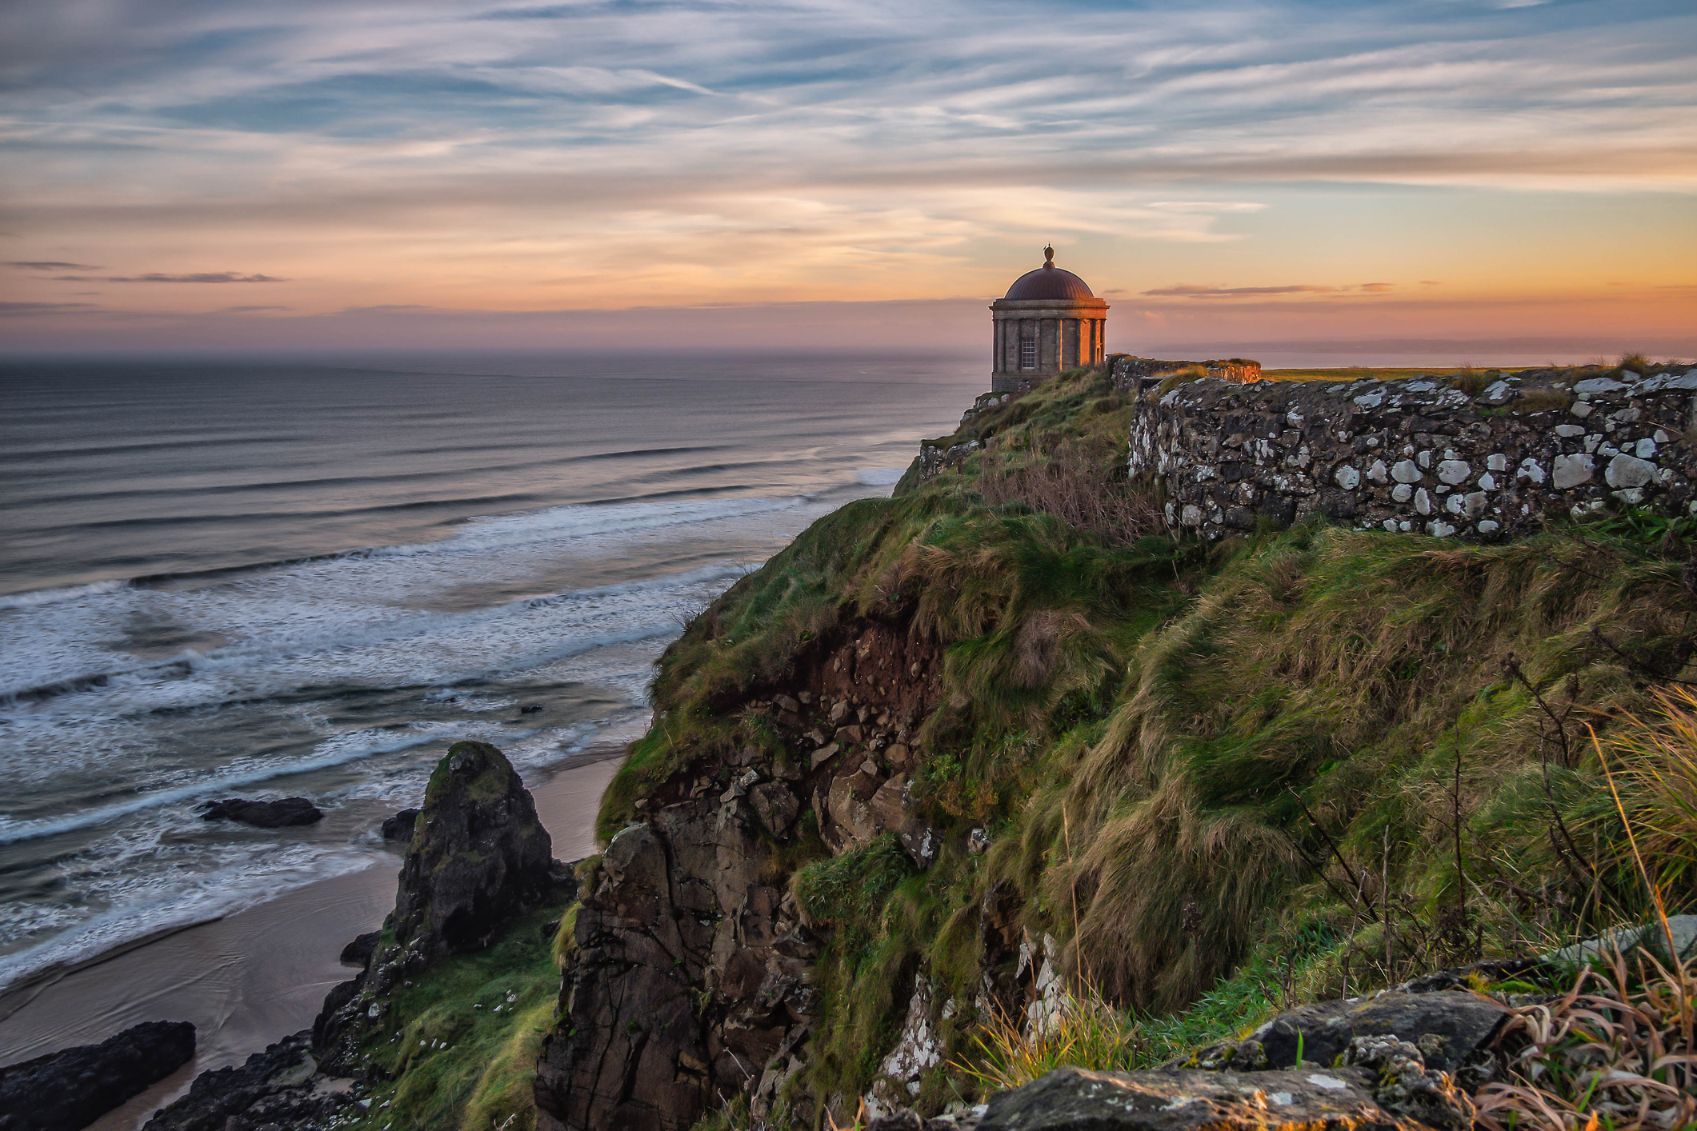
(207, 175)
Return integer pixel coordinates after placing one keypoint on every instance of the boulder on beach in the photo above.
(264, 814)
(398, 826)
(68, 1090)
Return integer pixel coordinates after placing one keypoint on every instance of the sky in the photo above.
(1451, 178)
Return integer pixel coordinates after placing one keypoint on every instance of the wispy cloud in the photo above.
(33, 309)
(1207, 292)
(160, 277)
(504, 153)
(50, 265)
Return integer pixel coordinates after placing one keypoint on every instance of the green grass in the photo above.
(475, 1067)
(1170, 744)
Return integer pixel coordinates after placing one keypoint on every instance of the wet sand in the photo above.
(255, 976)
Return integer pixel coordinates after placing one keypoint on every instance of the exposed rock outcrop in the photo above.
(1449, 1027)
(691, 977)
(1305, 1099)
(397, 827)
(68, 1090)
(281, 813)
(480, 857)
(277, 1088)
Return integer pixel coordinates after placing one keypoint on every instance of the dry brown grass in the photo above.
(1009, 1050)
(1616, 1051)
(1082, 483)
(1619, 1049)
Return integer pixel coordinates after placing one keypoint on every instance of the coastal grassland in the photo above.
(458, 1044)
(1221, 779)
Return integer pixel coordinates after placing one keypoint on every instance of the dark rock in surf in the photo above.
(358, 952)
(399, 826)
(287, 811)
(68, 1090)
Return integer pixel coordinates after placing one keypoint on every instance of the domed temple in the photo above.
(1048, 321)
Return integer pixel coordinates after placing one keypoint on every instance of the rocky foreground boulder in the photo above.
(66, 1091)
(1312, 1099)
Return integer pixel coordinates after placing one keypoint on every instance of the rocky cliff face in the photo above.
(943, 765)
(691, 984)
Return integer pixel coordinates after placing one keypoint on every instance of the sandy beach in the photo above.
(255, 976)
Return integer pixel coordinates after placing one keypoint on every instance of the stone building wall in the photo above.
(1420, 454)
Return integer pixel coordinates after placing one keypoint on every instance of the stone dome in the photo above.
(1049, 282)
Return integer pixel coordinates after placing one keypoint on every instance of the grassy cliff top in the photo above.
(1294, 763)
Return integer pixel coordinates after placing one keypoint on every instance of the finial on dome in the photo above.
(1048, 256)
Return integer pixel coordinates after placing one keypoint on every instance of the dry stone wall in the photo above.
(1419, 454)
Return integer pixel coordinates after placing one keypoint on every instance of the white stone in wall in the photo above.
(1402, 492)
(1488, 482)
(1347, 477)
(1453, 471)
(1568, 431)
(1530, 470)
(1686, 381)
(1378, 473)
(1406, 471)
(1646, 448)
(1581, 409)
(1422, 502)
(1496, 461)
(1593, 385)
(1626, 471)
(1571, 470)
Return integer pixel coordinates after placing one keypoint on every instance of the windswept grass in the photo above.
(459, 1041)
(1653, 756)
(1225, 778)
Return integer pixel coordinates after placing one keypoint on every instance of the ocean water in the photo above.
(308, 578)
